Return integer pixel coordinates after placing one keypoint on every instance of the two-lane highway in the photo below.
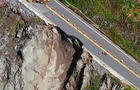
(93, 40)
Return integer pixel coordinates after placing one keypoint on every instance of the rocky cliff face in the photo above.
(36, 56)
(46, 59)
(53, 60)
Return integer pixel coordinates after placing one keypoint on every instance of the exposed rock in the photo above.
(87, 76)
(40, 57)
(4, 41)
(46, 60)
(17, 7)
(81, 73)
(1, 3)
(50, 61)
(103, 86)
(2, 72)
(108, 82)
(10, 48)
(19, 33)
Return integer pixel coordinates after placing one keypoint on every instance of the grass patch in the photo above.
(127, 87)
(10, 23)
(116, 81)
(15, 24)
(136, 14)
(120, 16)
(137, 6)
(95, 83)
(38, 20)
(2, 18)
(1, 12)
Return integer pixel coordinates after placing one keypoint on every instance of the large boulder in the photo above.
(46, 60)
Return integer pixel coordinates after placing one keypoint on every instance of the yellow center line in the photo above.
(133, 72)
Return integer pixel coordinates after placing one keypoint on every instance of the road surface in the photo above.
(93, 40)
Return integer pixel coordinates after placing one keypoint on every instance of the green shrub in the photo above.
(137, 6)
(118, 4)
(136, 14)
(110, 16)
(2, 19)
(94, 83)
(1, 12)
(126, 87)
(131, 4)
(124, 13)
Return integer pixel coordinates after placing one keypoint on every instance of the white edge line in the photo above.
(112, 71)
(104, 37)
(34, 10)
(93, 56)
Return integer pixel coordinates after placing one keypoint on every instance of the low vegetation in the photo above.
(10, 21)
(95, 82)
(1, 16)
(127, 87)
(117, 19)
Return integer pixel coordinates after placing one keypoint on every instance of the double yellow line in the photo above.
(60, 16)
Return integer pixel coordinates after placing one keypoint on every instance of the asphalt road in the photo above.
(94, 35)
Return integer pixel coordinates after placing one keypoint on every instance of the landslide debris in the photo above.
(13, 34)
(36, 56)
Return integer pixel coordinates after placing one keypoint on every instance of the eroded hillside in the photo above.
(36, 56)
